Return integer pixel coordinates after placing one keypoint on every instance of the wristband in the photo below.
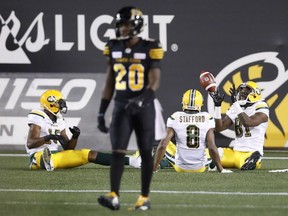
(217, 113)
(237, 108)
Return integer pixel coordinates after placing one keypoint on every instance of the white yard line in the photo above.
(25, 155)
(153, 191)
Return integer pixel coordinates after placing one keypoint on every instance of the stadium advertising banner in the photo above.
(59, 44)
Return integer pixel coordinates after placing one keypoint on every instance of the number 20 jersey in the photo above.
(190, 134)
(132, 64)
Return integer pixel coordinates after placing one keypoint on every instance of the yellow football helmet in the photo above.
(52, 100)
(192, 100)
(248, 92)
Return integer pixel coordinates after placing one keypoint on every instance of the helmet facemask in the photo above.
(126, 16)
(248, 93)
(242, 96)
(56, 106)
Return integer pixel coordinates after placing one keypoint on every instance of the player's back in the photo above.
(190, 134)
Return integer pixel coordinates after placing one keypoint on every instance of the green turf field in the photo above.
(75, 191)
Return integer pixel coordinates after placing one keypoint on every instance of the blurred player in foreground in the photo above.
(250, 115)
(133, 73)
(47, 132)
(194, 131)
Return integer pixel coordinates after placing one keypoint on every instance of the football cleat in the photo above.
(142, 204)
(250, 163)
(46, 156)
(135, 160)
(110, 200)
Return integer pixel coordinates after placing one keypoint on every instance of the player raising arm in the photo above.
(249, 114)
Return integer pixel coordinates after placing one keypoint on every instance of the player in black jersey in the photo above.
(134, 67)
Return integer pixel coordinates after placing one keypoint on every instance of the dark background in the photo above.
(210, 35)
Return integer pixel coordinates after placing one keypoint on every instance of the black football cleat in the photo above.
(250, 163)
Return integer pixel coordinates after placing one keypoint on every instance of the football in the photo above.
(207, 81)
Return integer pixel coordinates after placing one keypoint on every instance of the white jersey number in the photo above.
(192, 138)
(239, 129)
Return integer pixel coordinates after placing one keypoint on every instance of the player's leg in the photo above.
(41, 161)
(228, 158)
(169, 159)
(105, 159)
(144, 125)
(120, 131)
(70, 158)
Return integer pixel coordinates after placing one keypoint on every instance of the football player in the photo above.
(250, 114)
(133, 73)
(194, 131)
(47, 132)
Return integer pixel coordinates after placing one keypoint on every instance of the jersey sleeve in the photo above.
(107, 48)
(231, 113)
(171, 120)
(156, 54)
(36, 117)
(211, 121)
(262, 107)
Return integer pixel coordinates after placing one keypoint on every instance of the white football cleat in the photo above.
(46, 156)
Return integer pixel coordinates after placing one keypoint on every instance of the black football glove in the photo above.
(60, 138)
(217, 98)
(101, 124)
(233, 93)
(135, 104)
(75, 132)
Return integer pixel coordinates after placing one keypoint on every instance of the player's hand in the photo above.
(217, 98)
(60, 138)
(101, 124)
(233, 93)
(75, 132)
(226, 171)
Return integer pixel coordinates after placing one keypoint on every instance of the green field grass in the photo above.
(75, 191)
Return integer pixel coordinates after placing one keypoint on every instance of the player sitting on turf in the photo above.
(249, 114)
(194, 131)
(47, 132)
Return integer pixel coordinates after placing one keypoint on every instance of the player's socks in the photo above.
(105, 159)
(164, 163)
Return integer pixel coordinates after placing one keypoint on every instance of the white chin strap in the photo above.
(242, 102)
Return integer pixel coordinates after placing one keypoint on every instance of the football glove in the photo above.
(140, 101)
(101, 124)
(217, 98)
(233, 93)
(75, 132)
(60, 138)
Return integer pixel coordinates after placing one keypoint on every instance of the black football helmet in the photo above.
(132, 15)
